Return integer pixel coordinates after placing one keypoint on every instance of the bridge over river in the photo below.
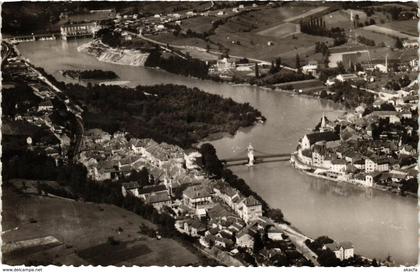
(254, 156)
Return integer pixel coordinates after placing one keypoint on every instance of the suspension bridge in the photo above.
(250, 156)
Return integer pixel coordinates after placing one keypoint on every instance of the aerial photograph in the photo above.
(209, 133)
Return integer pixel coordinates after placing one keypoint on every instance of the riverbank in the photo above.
(112, 55)
(312, 171)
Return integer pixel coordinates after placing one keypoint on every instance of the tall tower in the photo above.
(251, 157)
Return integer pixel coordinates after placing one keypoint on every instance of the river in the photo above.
(377, 223)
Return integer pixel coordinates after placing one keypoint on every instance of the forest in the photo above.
(166, 113)
(90, 74)
(174, 64)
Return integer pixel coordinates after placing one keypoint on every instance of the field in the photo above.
(308, 13)
(408, 27)
(389, 32)
(261, 19)
(377, 37)
(257, 47)
(280, 31)
(303, 84)
(83, 230)
(198, 24)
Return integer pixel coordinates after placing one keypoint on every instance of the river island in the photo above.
(142, 161)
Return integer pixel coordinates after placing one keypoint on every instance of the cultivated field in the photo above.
(198, 24)
(261, 19)
(257, 47)
(377, 37)
(308, 13)
(83, 230)
(408, 27)
(280, 31)
(389, 32)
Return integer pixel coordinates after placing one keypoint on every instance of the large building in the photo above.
(78, 30)
(349, 56)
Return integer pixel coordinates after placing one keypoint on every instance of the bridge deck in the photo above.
(280, 155)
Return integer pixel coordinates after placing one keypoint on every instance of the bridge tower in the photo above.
(251, 157)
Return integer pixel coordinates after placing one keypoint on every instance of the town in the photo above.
(68, 138)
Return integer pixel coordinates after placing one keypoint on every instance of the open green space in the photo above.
(408, 27)
(81, 227)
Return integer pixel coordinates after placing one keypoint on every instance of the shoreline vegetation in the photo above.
(90, 74)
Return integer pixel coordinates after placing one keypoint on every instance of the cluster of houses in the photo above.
(353, 148)
(54, 140)
(210, 211)
(226, 68)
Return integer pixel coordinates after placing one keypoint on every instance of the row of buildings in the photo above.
(366, 148)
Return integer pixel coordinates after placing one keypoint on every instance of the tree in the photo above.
(398, 43)
(297, 62)
(257, 73)
(340, 67)
(276, 215)
(327, 258)
(258, 243)
(278, 62)
(210, 160)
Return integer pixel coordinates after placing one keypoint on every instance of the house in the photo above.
(410, 44)
(305, 156)
(244, 239)
(223, 242)
(194, 227)
(342, 251)
(225, 65)
(197, 196)
(45, 105)
(150, 190)
(364, 179)
(339, 165)
(192, 160)
(318, 154)
(346, 77)
(274, 233)
(393, 116)
(312, 138)
(359, 164)
(310, 68)
(130, 188)
(375, 163)
(407, 150)
(159, 200)
(251, 209)
(159, 27)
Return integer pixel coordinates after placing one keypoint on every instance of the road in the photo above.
(299, 240)
(365, 89)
